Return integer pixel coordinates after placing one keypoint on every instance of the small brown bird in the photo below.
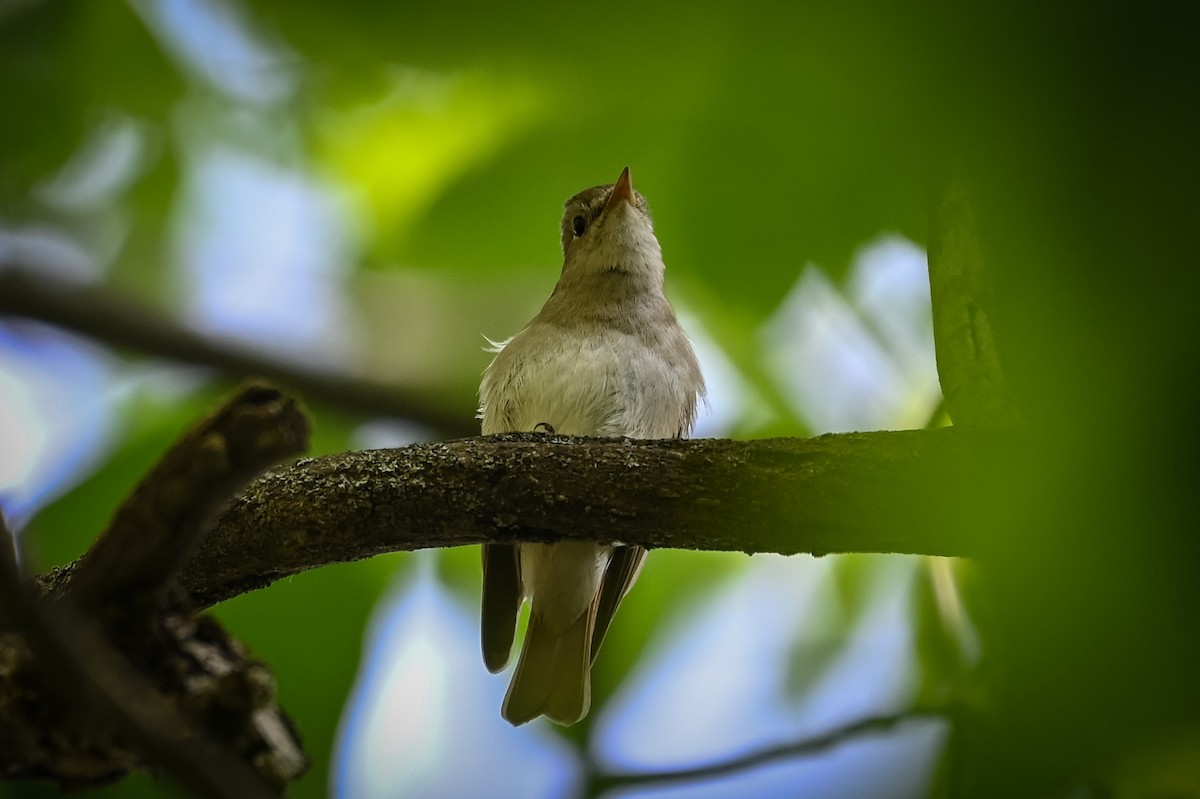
(605, 356)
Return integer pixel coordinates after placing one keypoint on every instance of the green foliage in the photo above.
(766, 137)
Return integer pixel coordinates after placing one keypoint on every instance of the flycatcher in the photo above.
(605, 356)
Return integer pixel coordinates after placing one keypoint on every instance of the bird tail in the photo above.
(553, 675)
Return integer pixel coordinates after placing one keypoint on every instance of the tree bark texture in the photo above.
(116, 672)
(902, 491)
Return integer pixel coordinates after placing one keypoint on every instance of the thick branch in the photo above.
(102, 315)
(119, 673)
(859, 492)
(83, 690)
(156, 527)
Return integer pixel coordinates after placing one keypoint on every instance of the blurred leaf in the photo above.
(400, 151)
(939, 629)
(1164, 767)
(739, 333)
(841, 603)
(65, 65)
(845, 165)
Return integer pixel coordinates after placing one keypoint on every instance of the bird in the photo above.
(605, 356)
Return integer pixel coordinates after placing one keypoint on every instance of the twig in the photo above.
(599, 781)
(102, 315)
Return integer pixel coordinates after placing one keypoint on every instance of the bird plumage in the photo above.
(605, 356)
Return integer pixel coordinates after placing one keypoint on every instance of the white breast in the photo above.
(546, 375)
(579, 385)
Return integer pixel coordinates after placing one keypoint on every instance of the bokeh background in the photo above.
(367, 189)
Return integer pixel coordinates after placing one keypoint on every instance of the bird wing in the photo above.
(501, 603)
(623, 569)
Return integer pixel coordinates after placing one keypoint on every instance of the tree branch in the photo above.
(156, 528)
(107, 317)
(968, 360)
(857, 492)
(600, 781)
(863, 492)
(60, 669)
(118, 673)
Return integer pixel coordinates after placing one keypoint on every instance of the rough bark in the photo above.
(116, 672)
(856, 492)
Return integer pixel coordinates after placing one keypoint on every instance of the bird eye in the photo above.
(578, 225)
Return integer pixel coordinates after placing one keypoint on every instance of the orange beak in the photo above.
(622, 190)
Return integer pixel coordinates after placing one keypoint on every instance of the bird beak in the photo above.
(622, 190)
